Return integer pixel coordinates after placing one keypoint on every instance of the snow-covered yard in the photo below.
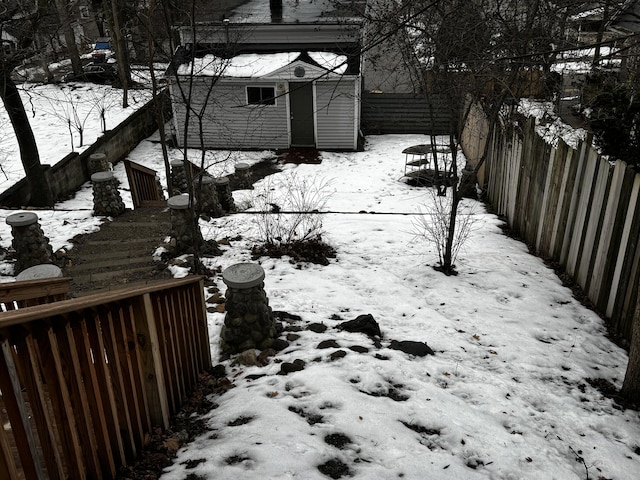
(506, 395)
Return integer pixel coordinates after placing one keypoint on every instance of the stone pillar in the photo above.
(179, 182)
(243, 175)
(224, 194)
(30, 244)
(98, 163)
(249, 321)
(208, 196)
(106, 196)
(159, 188)
(185, 231)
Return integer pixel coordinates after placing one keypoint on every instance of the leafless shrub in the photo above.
(433, 225)
(289, 208)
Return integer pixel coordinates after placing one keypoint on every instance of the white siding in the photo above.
(336, 115)
(227, 121)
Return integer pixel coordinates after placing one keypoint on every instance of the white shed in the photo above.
(267, 100)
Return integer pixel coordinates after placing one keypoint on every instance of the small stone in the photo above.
(419, 349)
(362, 324)
(278, 344)
(248, 358)
(219, 371)
(288, 367)
(337, 355)
(292, 337)
(216, 298)
(359, 349)
(328, 344)
(317, 327)
(287, 317)
(264, 356)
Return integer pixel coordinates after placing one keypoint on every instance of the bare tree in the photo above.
(23, 21)
(114, 12)
(73, 111)
(69, 36)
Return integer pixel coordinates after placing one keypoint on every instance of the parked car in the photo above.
(95, 73)
(102, 52)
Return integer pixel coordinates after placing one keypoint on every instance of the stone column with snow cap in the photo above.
(31, 246)
(207, 195)
(98, 163)
(243, 175)
(185, 230)
(179, 182)
(248, 321)
(106, 196)
(223, 187)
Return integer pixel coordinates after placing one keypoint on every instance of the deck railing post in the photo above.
(149, 347)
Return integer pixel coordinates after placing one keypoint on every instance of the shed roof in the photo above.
(254, 65)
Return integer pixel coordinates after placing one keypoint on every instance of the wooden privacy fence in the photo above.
(82, 381)
(576, 208)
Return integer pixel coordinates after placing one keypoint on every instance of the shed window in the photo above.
(261, 95)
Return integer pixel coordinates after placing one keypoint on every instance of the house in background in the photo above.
(272, 75)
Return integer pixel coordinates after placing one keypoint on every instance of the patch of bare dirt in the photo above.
(161, 446)
(312, 251)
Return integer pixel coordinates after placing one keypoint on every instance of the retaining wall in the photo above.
(66, 176)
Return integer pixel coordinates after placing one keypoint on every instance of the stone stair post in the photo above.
(225, 197)
(243, 175)
(98, 163)
(178, 178)
(106, 197)
(185, 230)
(249, 321)
(207, 195)
(29, 242)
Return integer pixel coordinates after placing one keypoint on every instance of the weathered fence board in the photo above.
(578, 210)
(609, 239)
(384, 113)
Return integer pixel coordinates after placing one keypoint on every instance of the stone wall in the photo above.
(72, 171)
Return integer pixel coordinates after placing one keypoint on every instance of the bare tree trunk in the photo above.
(41, 194)
(69, 36)
(112, 8)
(631, 386)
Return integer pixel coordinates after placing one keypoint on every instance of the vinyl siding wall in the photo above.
(336, 111)
(228, 122)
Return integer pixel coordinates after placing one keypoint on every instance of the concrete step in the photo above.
(94, 277)
(115, 250)
(134, 224)
(111, 263)
(129, 241)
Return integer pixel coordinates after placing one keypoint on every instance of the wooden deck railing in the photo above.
(14, 295)
(83, 380)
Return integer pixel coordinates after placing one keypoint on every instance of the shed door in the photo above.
(301, 114)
